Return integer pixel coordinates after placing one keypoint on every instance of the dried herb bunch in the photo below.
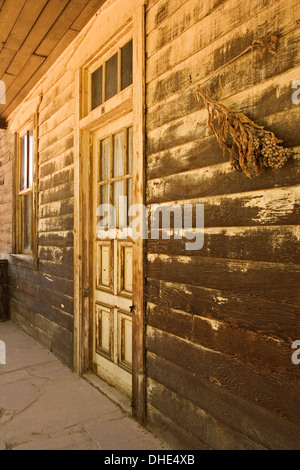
(251, 147)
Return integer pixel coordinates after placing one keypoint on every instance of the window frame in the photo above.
(21, 194)
(108, 51)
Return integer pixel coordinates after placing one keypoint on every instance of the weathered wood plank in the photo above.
(53, 224)
(56, 209)
(58, 163)
(267, 98)
(48, 17)
(57, 179)
(58, 193)
(45, 316)
(200, 35)
(197, 421)
(267, 244)
(272, 394)
(63, 129)
(25, 22)
(194, 126)
(57, 255)
(269, 318)
(261, 352)
(170, 432)
(260, 425)
(242, 74)
(219, 179)
(268, 281)
(32, 276)
(168, 21)
(57, 148)
(62, 23)
(278, 206)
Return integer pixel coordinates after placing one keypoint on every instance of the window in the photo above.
(25, 192)
(115, 176)
(113, 76)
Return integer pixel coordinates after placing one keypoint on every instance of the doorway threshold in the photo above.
(110, 392)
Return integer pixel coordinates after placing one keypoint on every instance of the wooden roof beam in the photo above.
(3, 123)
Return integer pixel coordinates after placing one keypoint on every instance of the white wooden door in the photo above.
(112, 184)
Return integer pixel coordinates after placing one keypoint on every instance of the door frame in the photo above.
(83, 230)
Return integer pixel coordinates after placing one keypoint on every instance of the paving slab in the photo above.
(44, 406)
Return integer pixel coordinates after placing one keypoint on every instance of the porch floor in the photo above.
(43, 405)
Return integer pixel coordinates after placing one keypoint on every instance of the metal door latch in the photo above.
(86, 292)
(132, 308)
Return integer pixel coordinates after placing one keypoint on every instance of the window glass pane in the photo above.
(97, 79)
(126, 67)
(129, 197)
(105, 160)
(130, 150)
(111, 77)
(24, 162)
(27, 217)
(119, 154)
(30, 158)
(103, 199)
(119, 202)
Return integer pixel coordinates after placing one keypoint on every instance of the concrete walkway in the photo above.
(43, 405)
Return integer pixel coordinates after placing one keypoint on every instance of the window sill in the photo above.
(25, 260)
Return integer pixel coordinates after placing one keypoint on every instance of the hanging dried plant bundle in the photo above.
(251, 147)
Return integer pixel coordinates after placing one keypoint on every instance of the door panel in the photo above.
(112, 355)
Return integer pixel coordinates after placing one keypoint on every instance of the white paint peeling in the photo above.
(220, 300)
(274, 204)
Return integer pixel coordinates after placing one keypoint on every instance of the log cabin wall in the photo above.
(41, 292)
(221, 321)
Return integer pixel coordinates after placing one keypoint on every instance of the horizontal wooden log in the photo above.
(247, 418)
(57, 270)
(272, 394)
(272, 319)
(227, 22)
(261, 352)
(62, 238)
(278, 206)
(267, 244)
(57, 255)
(194, 126)
(166, 429)
(56, 209)
(20, 315)
(58, 163)
(57, 148)
(61, 177)
(63, 130)
(46, 280)
(268, 98)
(51, 304)
(50, 335)
(212, 432)
(52, 224)
(268, 281)
(58, 193)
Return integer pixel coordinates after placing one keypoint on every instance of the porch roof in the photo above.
(33, 34)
